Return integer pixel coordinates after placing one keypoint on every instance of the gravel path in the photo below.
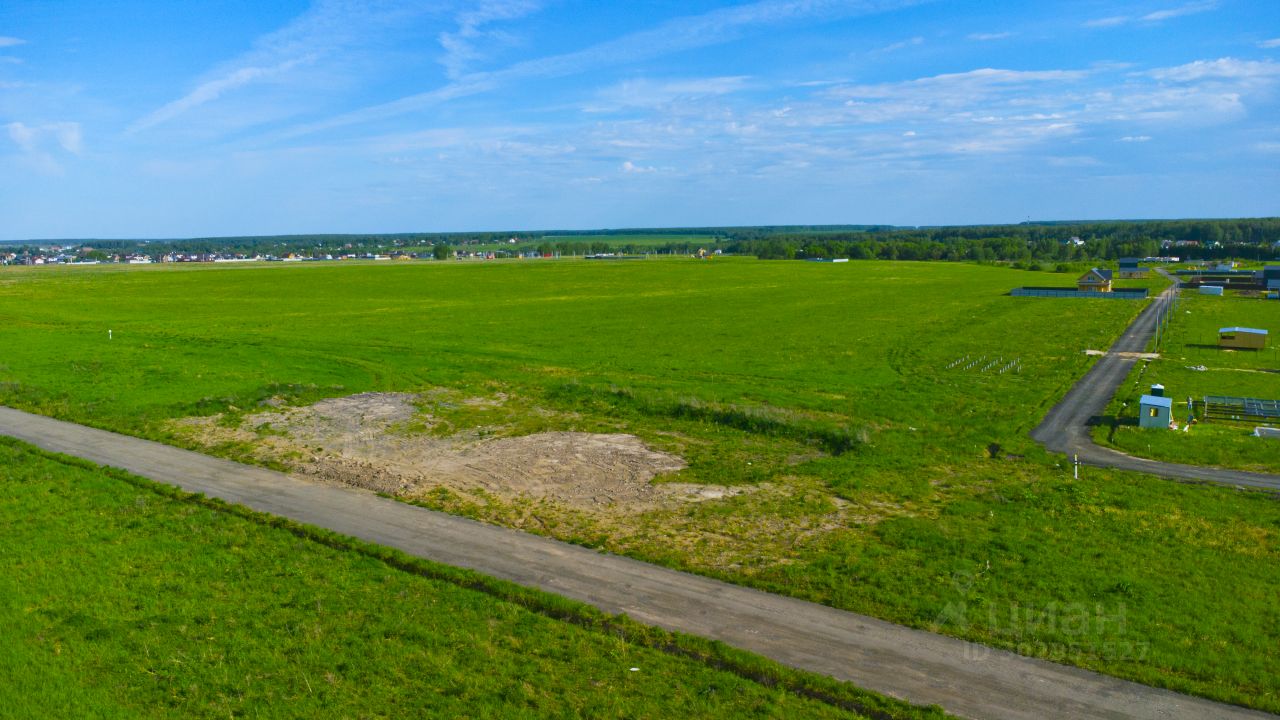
(966, 679)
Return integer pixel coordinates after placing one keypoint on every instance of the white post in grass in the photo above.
(108, 334)
(1075, 463)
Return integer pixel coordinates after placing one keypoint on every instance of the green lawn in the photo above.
(1192, 344)
(118, 601)
(893, 480)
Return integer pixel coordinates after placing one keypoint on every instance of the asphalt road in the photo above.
(1065, 428)
(966, 679)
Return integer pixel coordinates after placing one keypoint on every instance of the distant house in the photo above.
(1096, 280)
(1129, 268)
(1242, 338)
(1155, 411)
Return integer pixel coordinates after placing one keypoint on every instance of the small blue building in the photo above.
(1155, 411)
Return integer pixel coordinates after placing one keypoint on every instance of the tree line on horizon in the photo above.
(1252, 239)
(1054, 242)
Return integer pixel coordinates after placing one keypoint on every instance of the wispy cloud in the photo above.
(1073, 161)
(1110, 21)
(676, 35)
(460, 46)
(1135, 139)
(1222, 68)
(1154, 16)
(1270, 44)
(30, 138)
(901, 44)
(650, 94)
(214, 89)
(1190, 9)
(6, 41)
(632, 169)
(35, 140)
(325, 30)
(986, 37)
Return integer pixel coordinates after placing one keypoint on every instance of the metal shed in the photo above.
(1242, 337)
(1155, 411)
(1129, 268)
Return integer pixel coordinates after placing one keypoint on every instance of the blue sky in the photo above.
(163, 119)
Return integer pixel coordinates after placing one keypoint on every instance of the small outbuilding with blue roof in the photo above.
(1155, 411)
(1243, 338)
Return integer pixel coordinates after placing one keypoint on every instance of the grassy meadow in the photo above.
(864, 401)
(122, 602)
(1192, 343)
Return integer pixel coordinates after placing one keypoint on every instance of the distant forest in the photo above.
(1032, 242)
(1253, 239)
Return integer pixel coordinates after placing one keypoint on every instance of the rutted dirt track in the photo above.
(966, 679)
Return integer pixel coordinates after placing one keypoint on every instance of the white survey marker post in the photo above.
(1075, 466)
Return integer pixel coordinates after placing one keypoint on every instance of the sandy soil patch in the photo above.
(1128, 355)
(361, 440)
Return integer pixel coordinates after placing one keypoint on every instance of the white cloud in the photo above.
(320, 33)
(1267, 147)
(22, 136)
(631, 168)
(1153, 17)
(910, 42)
(1074, 161)
(996, 111)
(1270, 44)
(985, 37)
(1106, 22)
(29, 138)
(34, 142)
(460, 45)
(1222, 68)
(214, 89)
(650, 94)
(1190, 9)
(676, 35)
(10, 41)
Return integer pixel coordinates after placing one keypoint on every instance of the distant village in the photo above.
(89, 255)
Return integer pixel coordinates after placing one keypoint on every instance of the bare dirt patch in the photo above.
(365, 440)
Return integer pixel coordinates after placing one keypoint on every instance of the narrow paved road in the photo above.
(1066, 428)
(967, 679)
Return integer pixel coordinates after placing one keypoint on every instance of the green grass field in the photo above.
(1192, 343)
(122, 602)
(892, 480)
